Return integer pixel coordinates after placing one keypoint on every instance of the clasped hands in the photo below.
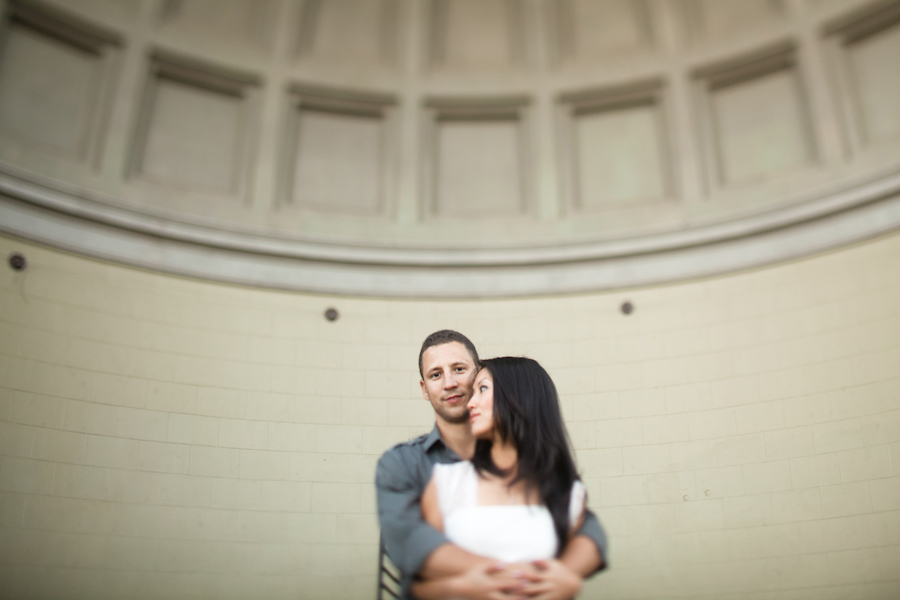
(537, 580)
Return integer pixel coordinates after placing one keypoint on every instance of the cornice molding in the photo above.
(35, 209)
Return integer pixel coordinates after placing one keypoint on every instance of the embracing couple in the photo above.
(488, 505)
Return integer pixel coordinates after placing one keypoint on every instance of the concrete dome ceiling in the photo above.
(449, 147)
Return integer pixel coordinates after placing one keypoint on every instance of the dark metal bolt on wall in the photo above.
(17, 262)
(332, 314)
(627, 308)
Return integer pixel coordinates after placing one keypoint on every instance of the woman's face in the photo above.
(481, 406)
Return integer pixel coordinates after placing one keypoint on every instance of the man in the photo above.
(447, 364)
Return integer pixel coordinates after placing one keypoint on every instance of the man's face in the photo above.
(448, 371)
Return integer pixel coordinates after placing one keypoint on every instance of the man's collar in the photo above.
(433, 437)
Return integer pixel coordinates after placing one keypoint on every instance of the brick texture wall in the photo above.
(163, 437)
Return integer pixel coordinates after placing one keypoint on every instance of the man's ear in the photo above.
(424, 392)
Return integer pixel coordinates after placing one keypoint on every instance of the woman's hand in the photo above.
(494, 582)
(551, 580)
(486, 581)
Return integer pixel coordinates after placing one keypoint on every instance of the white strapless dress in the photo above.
(508, 533)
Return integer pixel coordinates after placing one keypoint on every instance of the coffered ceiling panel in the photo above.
(396, 136)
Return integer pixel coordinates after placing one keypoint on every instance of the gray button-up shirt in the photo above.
(401, 477)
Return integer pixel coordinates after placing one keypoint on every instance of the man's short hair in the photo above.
(445, 336)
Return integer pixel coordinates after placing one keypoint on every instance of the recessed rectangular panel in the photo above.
(721, 18)
(351, 29)
(830, 4)
(478, 167)
(600, 27)
(620, 157)
(875, 65)
(192, 139)
(338, 161)
(109, 9)
(760, 126)
(477, 33)
(244, 21)
(48, 90)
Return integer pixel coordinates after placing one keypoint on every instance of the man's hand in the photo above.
(551, 580)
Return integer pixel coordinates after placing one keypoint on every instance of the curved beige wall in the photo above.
(168, 438)
(260, 142)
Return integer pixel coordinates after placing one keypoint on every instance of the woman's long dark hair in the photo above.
(527, 415)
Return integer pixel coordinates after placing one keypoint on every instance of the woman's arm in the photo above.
(483, 580)
(436, 589)
(580, 554)
(441, 587)
(573, 530)
(448, 559)
(577, 505)
(431, 509)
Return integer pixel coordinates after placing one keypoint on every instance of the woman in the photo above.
(519, 499)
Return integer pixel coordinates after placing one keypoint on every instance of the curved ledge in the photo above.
(73, 222)
(79, 203)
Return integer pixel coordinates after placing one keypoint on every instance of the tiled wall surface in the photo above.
(162, 437)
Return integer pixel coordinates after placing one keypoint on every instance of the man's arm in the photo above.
(548, 580)
(449, 560)
(416, 547)
(399, 484)
(413, 545)
(584, 555)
